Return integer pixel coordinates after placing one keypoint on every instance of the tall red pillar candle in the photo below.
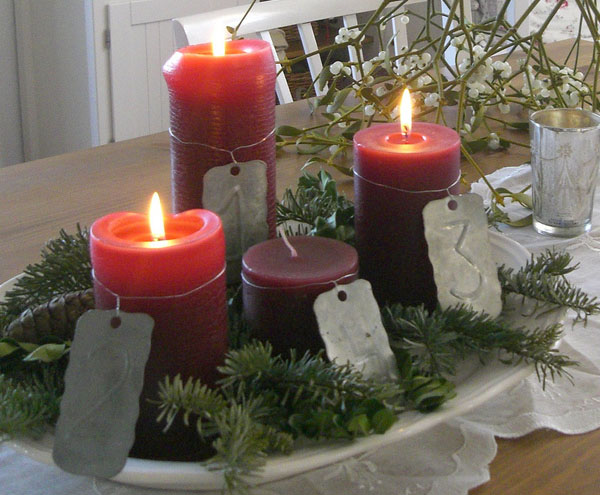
(396, 175)
(280, 288)
(220, 103)
(180, 282)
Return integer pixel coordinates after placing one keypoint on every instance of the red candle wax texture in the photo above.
(223, 102)
(279, 290)
(180, 282)
(392, 171)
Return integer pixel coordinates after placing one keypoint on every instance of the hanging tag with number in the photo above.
(351, 327)
(103, 382)
(461, 254)
(237, 192)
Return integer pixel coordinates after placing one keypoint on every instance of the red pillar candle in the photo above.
(279, 289)
(222, 102)
(180, 282)
(393, 172)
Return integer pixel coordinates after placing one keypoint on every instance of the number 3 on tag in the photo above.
(461, 254)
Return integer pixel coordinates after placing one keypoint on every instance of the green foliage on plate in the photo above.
(316, 208)
(64, 267)
(265, 402)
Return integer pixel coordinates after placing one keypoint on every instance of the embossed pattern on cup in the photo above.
(565, 155)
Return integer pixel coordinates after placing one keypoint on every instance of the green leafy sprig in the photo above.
(266, 401)
(439, 340)
(543, 278)
(65, 267)
(29, 404)
(316, 208)
(236, 425)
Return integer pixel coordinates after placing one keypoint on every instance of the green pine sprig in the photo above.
(543, 278)
(309, 395)
(237, 425)
(65, 267)
(437, 341)
(29, 404)
(316, 208)
(266, 401)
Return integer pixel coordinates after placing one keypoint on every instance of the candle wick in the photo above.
(286, 241)
(405, 132)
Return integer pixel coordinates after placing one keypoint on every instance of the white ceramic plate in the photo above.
(475, 385)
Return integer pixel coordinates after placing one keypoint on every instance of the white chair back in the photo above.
(266, 16)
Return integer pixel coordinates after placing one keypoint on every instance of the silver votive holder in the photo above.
(565, 154)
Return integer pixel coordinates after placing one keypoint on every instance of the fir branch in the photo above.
(423, 336)
(243, 437)
(65, 267)
(243, 445)
(306, 385)
(193, 398)
(28, 406)
(265, 401)
(543, 279)
(437, 341)
(317, 208)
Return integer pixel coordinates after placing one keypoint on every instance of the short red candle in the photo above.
(180, 282)
(391, 171)
(222, 102)
(279, 290)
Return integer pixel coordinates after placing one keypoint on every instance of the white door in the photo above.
(141, 40)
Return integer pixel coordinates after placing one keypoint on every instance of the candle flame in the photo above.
(157, 224)
(405, 112)
(218, 41)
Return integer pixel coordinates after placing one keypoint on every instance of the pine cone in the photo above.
(56, 317)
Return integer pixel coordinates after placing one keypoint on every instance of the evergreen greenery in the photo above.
(65, 267)
(316, 208)
(29, 403)
(265, 402)
(543, 279)
(438, 341)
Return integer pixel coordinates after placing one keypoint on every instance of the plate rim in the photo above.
(495, 378)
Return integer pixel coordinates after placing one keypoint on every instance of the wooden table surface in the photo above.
(40, 197)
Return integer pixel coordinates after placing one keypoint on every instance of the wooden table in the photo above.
(38, 198)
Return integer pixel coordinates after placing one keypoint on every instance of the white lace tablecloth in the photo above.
(449, 459)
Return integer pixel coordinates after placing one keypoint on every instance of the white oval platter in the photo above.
(475, 385)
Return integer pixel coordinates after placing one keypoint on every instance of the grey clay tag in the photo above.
(351, 327)
(461, 254)
(237, 192)
(103, 382)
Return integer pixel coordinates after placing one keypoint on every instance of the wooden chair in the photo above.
(266, 16)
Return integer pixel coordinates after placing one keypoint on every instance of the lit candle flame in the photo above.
(218, 41)
(157, 224)
(406, 113)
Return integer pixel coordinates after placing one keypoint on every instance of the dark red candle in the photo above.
(180, 282)
(279, 289)
(220, 103)
(396, 175)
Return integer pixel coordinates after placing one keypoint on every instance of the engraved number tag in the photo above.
(351, 327)
(237, 192)
(461, 254)
(103, 382)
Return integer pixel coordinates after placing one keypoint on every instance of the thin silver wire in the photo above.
(447, 188)
(216, 148)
